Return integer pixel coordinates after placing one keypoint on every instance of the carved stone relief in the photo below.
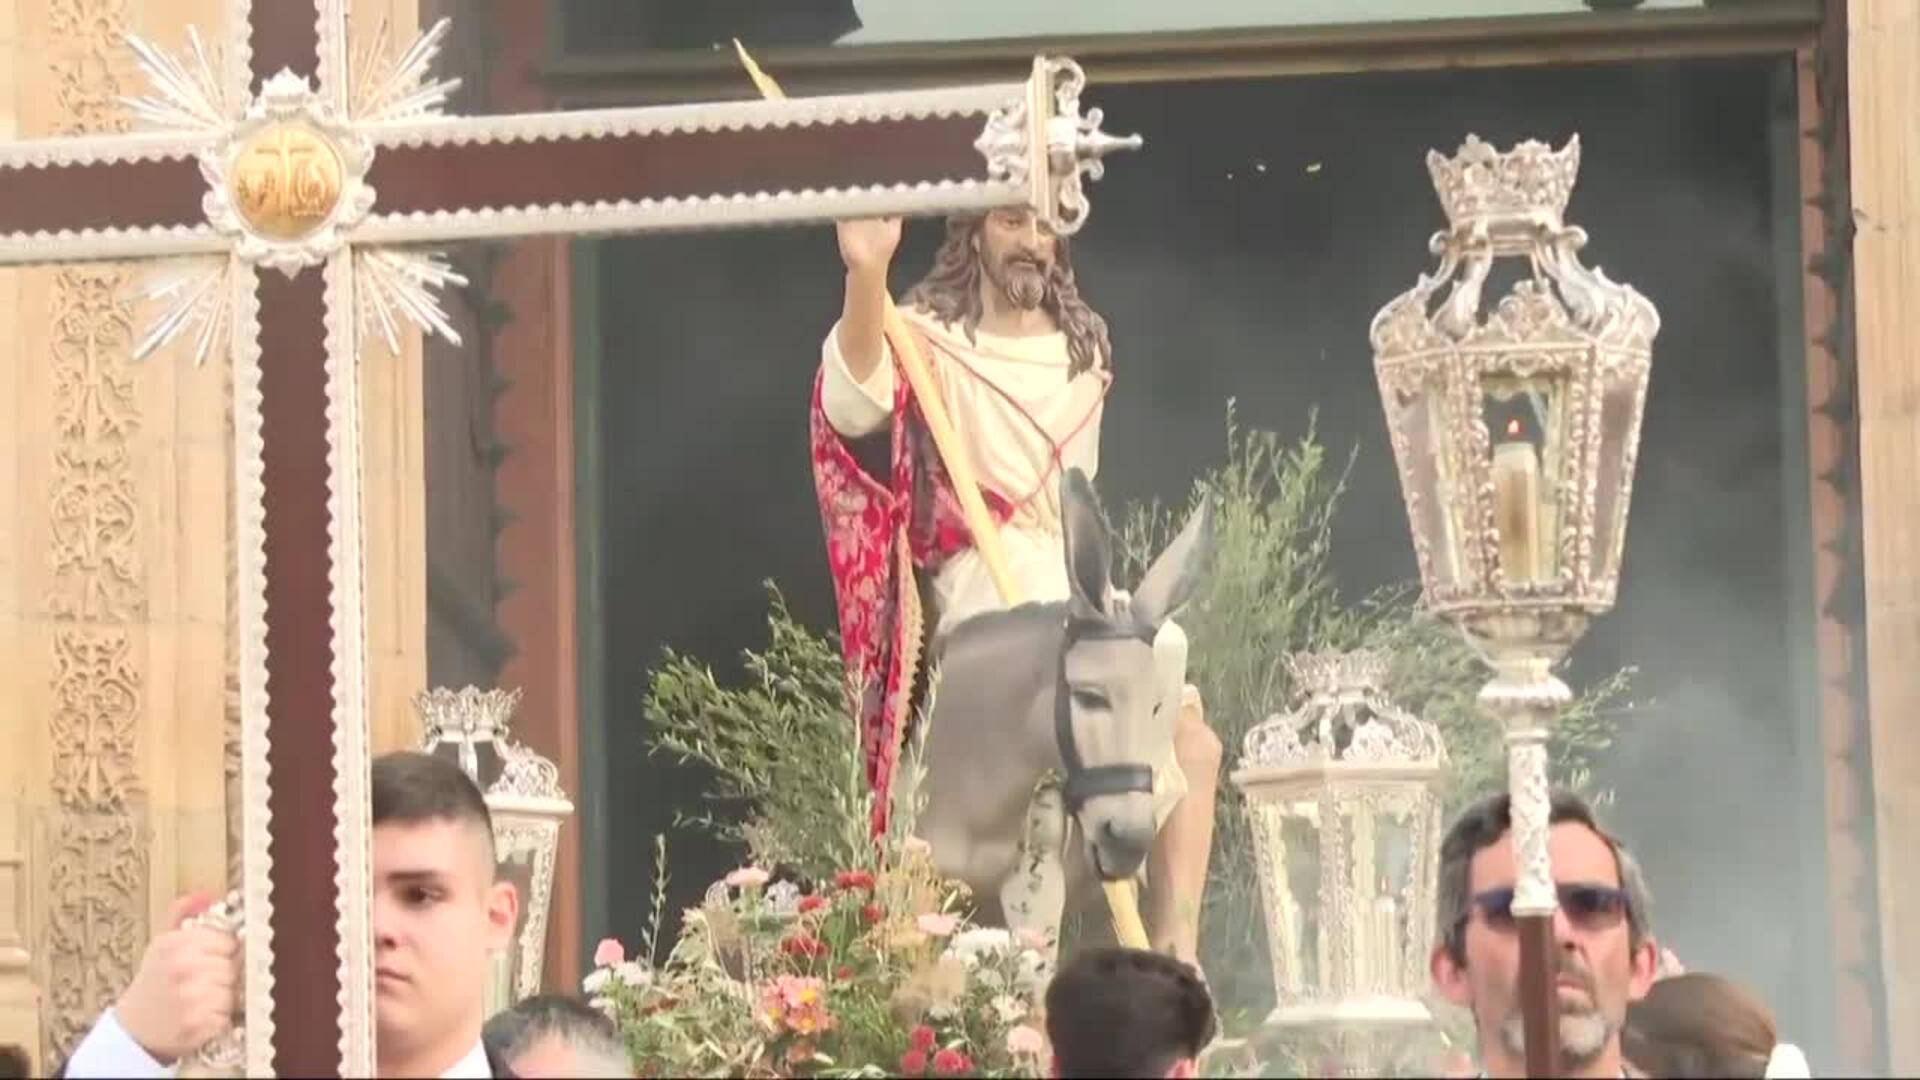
(96, 846)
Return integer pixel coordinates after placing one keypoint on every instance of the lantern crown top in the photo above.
(1481, 187)
(470, 725)
(468, 712)
(1346, 719)
(1331, 673)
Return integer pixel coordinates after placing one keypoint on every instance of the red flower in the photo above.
(922, 1037)
(843, 972)
(853, 879)
(873, 913)
(810, 904)
(913, 1063)
(951, 1062)
(804, 945)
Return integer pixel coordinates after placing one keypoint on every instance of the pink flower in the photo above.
(913, 1063)
(609, 953)
(1023, 1041)
(810, 904)
(937, 925)
(951, 1062)
(922, 1037)
(748, 877)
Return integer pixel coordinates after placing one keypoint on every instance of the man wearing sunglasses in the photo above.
(1607, 955)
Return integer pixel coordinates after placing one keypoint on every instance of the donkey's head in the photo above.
(1107, 719)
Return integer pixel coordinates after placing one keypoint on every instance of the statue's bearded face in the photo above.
(1017, 252)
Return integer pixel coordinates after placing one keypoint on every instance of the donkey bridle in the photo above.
(1083, 783)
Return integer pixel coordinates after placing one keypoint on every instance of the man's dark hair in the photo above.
(1126, 1012)
(411, 788)
(1481, 825)
(590, 1032)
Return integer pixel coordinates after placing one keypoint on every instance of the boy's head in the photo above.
(439, 913)
(1127, 1012)
(556, 1035)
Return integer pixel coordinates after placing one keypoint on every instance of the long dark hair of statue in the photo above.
(951, 292)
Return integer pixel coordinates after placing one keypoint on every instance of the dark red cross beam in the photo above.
(438, 179)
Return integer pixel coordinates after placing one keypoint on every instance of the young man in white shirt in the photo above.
(439, 913)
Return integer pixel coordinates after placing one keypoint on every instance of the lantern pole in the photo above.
(1515, 433)
(1526, 698)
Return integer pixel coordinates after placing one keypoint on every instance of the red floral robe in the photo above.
(878, 534)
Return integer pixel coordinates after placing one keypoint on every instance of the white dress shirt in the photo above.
(108, 1051)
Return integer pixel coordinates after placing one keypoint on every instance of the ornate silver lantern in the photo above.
(523, 794)
(1515, 431)
(1342, 800)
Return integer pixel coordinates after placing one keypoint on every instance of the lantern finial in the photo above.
(1529, 185)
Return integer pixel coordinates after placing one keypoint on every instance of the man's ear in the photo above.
(1450, 977)
(503, 913)
(1645, 968)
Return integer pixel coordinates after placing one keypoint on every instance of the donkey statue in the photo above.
(1046, 725)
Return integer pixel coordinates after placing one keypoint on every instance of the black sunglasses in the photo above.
(1588, 907)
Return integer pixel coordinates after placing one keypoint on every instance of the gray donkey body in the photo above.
(1066, 690)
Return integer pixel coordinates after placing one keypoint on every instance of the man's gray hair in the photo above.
(1482, 825)
(590, 1033)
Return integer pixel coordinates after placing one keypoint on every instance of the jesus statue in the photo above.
(1023, 366)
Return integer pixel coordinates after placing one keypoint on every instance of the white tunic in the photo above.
(1012, 404)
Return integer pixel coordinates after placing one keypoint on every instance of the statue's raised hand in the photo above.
(867, 244)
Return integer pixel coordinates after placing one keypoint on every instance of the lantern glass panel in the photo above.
(1417, 413)
(1621, 398)
(1526, 432)
(1300, 833)
(1385, 910)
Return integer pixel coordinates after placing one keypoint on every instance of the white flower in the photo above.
(633, 973)
(1010, 1009)
(783, 899)
(605, 1005)
(981, 941)
(1033, 971)
(597, 981)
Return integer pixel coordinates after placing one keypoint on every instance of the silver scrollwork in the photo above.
(1076, 146)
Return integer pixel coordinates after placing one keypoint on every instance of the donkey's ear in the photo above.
(1087, 553)
(1175, 576)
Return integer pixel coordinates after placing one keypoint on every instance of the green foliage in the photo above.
(788, 778)
(1270, 593)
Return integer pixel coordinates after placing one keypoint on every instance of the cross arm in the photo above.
(91, 197)
(735, 163)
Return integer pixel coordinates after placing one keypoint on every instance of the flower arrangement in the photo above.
(875, 973)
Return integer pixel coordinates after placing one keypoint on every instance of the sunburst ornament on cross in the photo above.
(294, 190)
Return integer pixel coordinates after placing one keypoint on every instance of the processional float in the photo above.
(287, 176)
